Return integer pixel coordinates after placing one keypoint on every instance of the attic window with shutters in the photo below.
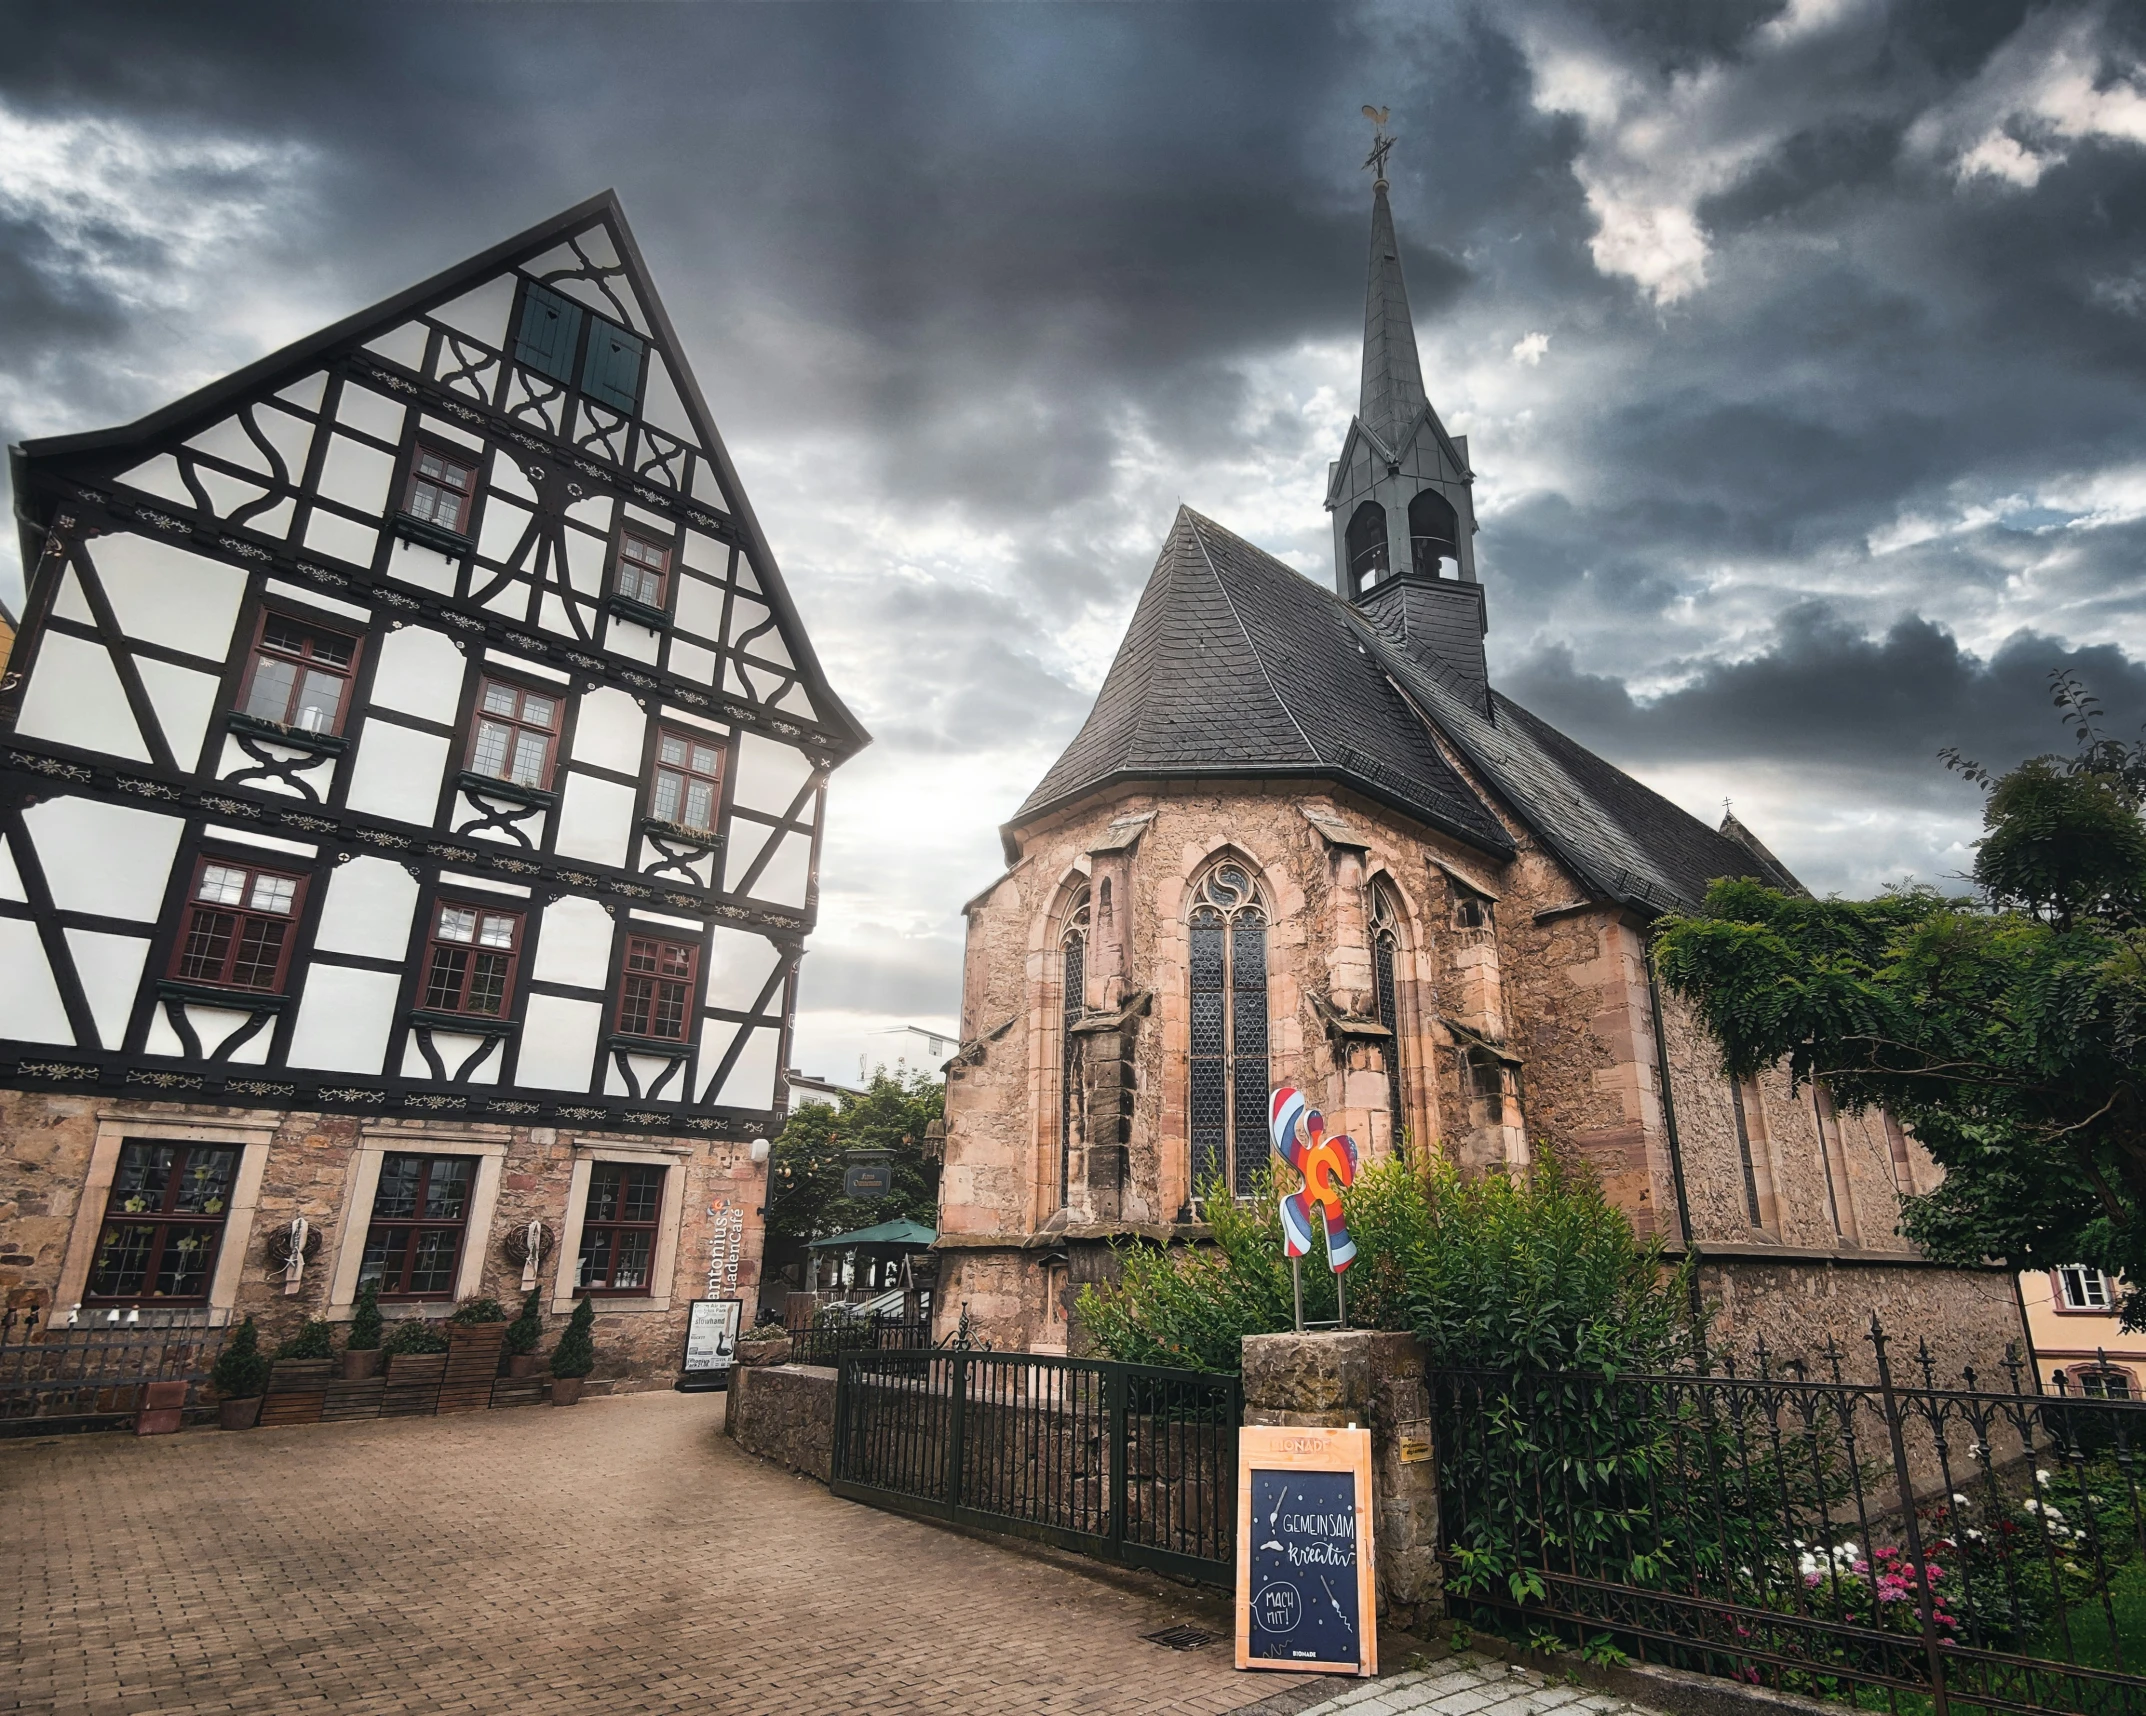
(549, 333)
(611, 370)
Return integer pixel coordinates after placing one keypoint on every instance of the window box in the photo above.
(640, 613)
(679, 832)
(625, 1043)
(209, 995)
(426, 534)
(491, 786)
(470, 1024)
(297, 738)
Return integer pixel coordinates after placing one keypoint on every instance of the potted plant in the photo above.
(314, 1340)
(575, 1355)
(764, 1343)
(241, 1378)
(413, 1337)
(522, 1335)
(361, 1351)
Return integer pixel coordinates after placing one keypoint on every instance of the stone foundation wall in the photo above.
(1967, 1317)
(48, 1214)
(785, 1413)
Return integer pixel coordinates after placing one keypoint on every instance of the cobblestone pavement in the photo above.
(621, 1556)
(1472, 1686)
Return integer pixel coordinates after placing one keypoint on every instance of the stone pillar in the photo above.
(1107, 1045)
(1332, 1378)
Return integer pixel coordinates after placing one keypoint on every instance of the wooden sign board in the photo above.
(1307, 1594)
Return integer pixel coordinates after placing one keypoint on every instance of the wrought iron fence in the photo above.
(1888, 1540)
(97, 1370)
(1127, 1462)
(824, 1341)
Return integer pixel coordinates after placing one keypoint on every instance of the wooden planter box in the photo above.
(296, 1390)
(472, 1363)
(413, 1385)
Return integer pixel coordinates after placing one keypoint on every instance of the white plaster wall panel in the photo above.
(480, 312)
(344, 1021)
(331, 534)
(623, 637)
(162, 1039)
(418, 672)
(306, 394)
(751, 1083)
(368, 909)
(512, 600)
(70, 603)
(445, 431)
(229, 442)
(769, 773)
(427, 568)
(746, 613)
(160, 477)
(647, 1069)
(768, 646)
(503, 527)
(10, 877)
(705, 488)
(690, 661)
(576, 945)
(397, 773)
(184, 700)
(662, 403)
(738, 964)
(254, 837)
(788, 873)
(653, 522)
(355, 474)
(30, 1009)
(106, 858)
(508, 478)
(585, 562)
(227, 494)
(404, 345)
(551, 616)
(215, 1026)
(558, 1042)
(705, 553)
(747, 841)
(454, 1049)
(370, 413)
(233, 760)
(595, 820)
(305, 593)
(109, 968)
(290, 436)
(608, 730)
(700, 607)
(75, 698)
(165, 595)
(797, 703)
(744, 578)
(276, 521)
(595, 511)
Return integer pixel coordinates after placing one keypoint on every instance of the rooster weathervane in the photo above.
(1381, 144)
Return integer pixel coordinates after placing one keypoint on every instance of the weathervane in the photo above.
(1381, 144)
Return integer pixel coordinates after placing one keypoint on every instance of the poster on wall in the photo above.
(711, 1344)
(1305, 1562)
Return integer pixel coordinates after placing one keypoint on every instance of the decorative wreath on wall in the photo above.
(279, 1246)
(514, 1244)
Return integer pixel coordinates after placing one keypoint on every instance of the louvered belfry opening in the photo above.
(1369, 559)
(1228, 928)
(1433, 535)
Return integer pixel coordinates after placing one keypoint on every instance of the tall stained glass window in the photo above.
(1073, 953)
(1385, 957)
(1228, 927)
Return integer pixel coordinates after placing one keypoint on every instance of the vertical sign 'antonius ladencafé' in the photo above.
(411, 785)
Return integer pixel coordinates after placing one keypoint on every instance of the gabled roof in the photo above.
(262, 377)
(1236, 666)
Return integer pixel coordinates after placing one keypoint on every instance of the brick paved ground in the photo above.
(619, 1557)
(1472, 1686)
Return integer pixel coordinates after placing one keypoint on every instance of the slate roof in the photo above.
(1236, 665)
(1392, 396)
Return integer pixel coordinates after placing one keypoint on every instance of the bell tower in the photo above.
(1401, 494)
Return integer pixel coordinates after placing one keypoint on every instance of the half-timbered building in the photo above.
(412, 770)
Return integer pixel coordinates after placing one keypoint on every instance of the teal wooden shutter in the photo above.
(551, 328)
(611, 373)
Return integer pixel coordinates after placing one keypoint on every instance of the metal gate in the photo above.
(1126, 1462)
(95, 1374)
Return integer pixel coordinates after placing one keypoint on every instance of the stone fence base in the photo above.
(785, 1413)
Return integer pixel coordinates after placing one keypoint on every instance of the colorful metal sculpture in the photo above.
(1328, 1165)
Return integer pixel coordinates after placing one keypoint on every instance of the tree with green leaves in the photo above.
(365, 1319)
(892, 1116)
(2005, 1030)
(575, 1355)
(527, 1329)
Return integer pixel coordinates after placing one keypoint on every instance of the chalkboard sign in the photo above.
(711, 1344)
(1306, 1593)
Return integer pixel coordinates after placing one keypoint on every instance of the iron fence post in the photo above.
(957, 1429)
(1905, 1485)
(1114, 1437)
(845, 1380)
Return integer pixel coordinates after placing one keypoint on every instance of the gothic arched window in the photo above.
(1228, 927)
(1433, 533)
(1385, 959)
(1073, 972)
(1366, 542)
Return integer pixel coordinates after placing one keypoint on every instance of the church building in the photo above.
(1301, 838)
(412, 770)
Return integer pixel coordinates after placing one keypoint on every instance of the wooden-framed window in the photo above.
(163, 1223)
(420, 1212)
(688, 787)
(469, 962)
(516, 731)
(238, 927)
(655, 991)
(300, 674)
(618, 1229)
(442, 486)
(2081, 1287)
(643, 568)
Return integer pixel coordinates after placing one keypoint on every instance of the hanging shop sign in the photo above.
(868, 1176)
(711, 1344)
(1305, 1559)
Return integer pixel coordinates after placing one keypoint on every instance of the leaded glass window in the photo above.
(1073, 952)
(1228, 931)
(1385, 958)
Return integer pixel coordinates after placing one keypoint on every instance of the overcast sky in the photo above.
(1800, 346)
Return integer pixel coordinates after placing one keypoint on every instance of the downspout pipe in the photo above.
(1676, 1150)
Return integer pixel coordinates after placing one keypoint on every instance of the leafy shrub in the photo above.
(314, 1340)
(241, 1369)
(479, 1311)
(575, 1355)
(365, 1321)
(414, 1335)
(527, 1329)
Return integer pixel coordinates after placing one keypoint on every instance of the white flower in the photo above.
(1972, 1535)
(1962, 1500)
(2041, 1477)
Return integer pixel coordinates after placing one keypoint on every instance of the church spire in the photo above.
(1393, 378)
